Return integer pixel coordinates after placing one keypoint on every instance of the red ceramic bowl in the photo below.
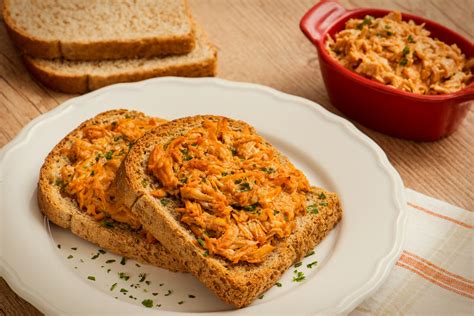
(380, 107)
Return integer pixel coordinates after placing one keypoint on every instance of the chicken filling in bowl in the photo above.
(239, 195)
(400, 54)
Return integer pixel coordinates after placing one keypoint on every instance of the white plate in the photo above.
(353, 261)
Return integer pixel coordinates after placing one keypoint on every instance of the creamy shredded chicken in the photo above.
(400, 54)
(239, 195)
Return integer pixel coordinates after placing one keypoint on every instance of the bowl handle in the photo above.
(319, 18)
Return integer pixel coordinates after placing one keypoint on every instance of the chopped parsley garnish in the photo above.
(261, 296)
(309, 253)
(405, 51)
(102, 251)
(110, 261)
(98, 157)
(323, 203)
(298, 264)
(122, 290)
(124, 276)
(164, 202)
(201, 242)
(310, 265)
(186, 156)
(410, 39)
(299, 276)
(268, 170)
(278, 284)
(154, 294)
(245, 187)
(108, 270)
(147, 282)
(161, 284)
(367, 21)
(144, 183)
(109, 155)
(206, 253)
(60, 183)
(234, 151)
(95, 256)
(59, 246)
(238, 181)
(107, 224)
(251, 208)
(389, 33)
(113, 286)
(322, 196)
(387, 27)
(191, 296)
(92, 278)
(92, 172)
(224, 174)
(137, 265)
(180, 302)
(123, 261)
(403, 61)
(169, 293)
(70, 256)
(74, 248)
(142, 277)
(312, 209)
(275, 212)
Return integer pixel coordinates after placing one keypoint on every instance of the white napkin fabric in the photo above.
(434, 275)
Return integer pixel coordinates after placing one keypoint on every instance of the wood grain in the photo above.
(260, 41)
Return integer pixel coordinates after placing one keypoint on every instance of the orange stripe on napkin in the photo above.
(440, 215)
(437, 268)
(434, 281)
(437, 275)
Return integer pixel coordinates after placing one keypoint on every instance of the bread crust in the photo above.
(82, 83)
(64, 212)
(237, 284)
(98, 50)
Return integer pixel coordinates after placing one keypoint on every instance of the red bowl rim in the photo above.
(380, 86)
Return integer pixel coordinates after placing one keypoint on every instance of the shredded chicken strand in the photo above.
(239, 196)
(401, 55)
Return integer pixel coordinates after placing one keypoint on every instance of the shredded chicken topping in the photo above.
(239, 195)
(400, 54)
(95, 157)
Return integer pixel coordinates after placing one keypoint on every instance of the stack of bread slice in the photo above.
(77, 46)
(113, 154)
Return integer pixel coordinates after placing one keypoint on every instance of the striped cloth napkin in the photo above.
(434, 275)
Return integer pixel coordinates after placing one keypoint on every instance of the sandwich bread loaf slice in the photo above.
(237, 282)
(82, 76)
(97, 29)
(64, 210)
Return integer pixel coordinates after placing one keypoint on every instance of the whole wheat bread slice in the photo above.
(64, 211)
(82, 76)
(237, 284)
(97, 29)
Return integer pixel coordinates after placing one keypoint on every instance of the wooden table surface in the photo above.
(260, 41)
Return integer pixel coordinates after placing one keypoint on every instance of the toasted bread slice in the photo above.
(64, 211)
(238, 284)
(82, 76)
(94, 30)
